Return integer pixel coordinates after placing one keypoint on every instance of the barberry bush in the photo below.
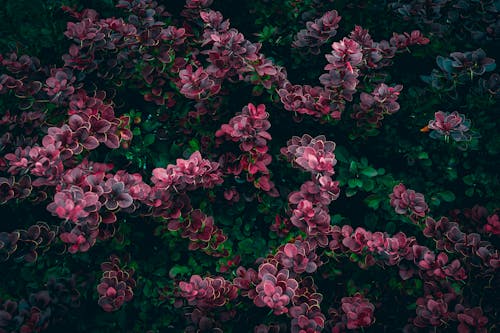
(249, 166)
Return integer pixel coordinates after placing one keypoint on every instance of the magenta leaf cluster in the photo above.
(449, 125)
(317, 32)
(208, 292)
(187, 175)
(116, 286)
(408, 202)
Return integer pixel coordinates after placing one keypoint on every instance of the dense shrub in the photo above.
(275, 166)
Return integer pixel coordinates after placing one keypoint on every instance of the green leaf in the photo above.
(175, 149)
(355, 182)
(160, 271)
(445, 64)
(341, 154)
(149, 125)
(147, 289)
(149, 139)
(451, 174)
(246, 245)
(369, 185)
(194, 145)
(468, 180)
(353, 167)
(179, 270)
(373, 201)
(447, 196)
(257, 90)
(418, 284)
(390, 227)
(354, 257)
(369, 172)
(426, 163)
(262, 208)
(411, 306)
(490, 67)
(434, 201)
(337, 219)
(394, 284)
(349, 192)
(423, 155)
